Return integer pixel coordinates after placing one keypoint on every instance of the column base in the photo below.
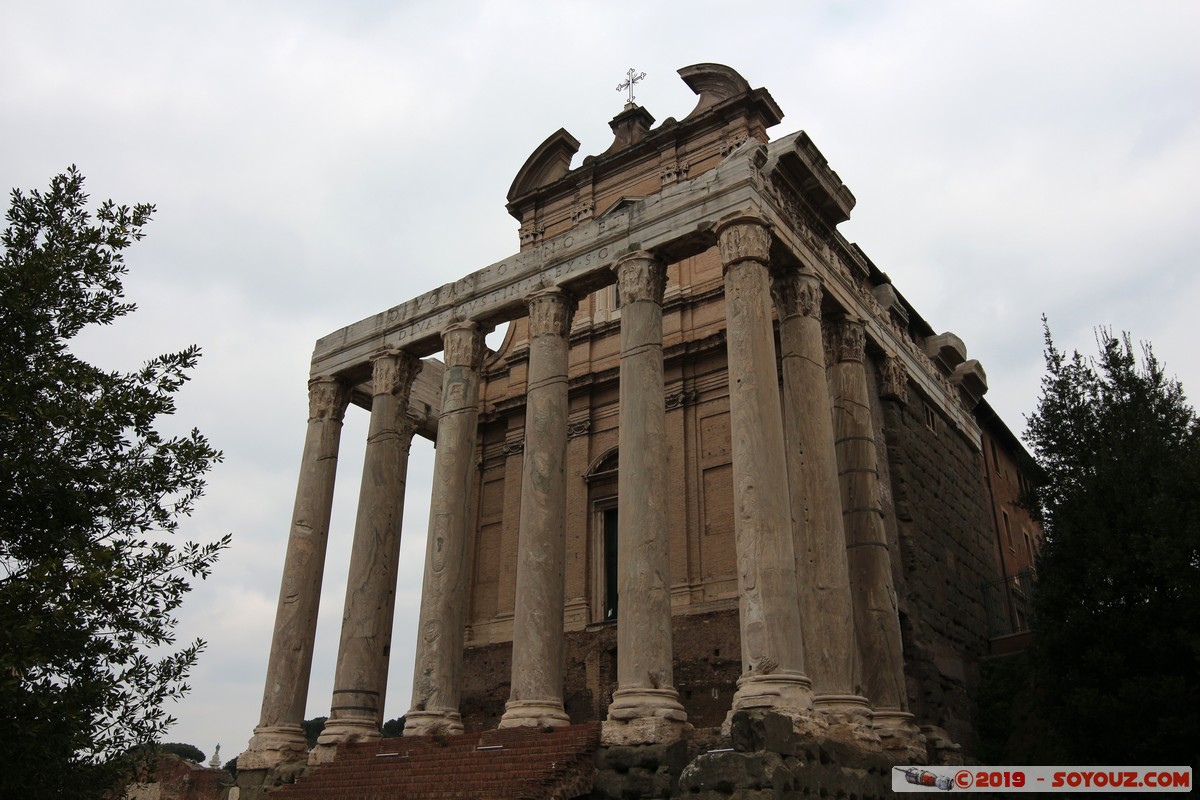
(900, 736)
(849, 719)
(272, 745)
(786, 693)
(338, 731)
(433, 723)
(534, 714)
(644, 716)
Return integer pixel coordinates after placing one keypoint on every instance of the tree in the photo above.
(183, 750)
(1117, 608)
(91, 495)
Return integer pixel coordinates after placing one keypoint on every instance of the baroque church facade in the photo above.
(719, 463)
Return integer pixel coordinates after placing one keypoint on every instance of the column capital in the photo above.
(797, 293)
(550, 312)
(463, 344)
(640, 276)
(848, 339)
(328, 398)
(393, 371)
(744, 238)
(893, 379)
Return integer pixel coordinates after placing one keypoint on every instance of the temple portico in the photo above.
(667, 423)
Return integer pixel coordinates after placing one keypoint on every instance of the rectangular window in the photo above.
(1008, 532)
(930, 418)
(610, 564)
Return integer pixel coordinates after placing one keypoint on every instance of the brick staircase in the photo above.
(513, 763)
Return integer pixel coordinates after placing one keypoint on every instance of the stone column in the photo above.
(819, 539)
(772, 651)
(360, 679)
(537, 656)
(645, 707)
(876, 618)
(437, 676)
(279, 736)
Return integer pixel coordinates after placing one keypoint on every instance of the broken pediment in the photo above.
(549, 162)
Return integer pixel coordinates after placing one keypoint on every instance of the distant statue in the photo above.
(215, 761)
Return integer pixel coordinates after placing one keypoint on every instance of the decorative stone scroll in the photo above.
(681, 398)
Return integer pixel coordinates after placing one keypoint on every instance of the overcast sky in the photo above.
(315, 163)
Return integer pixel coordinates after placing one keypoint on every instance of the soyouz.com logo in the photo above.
(1041, 779)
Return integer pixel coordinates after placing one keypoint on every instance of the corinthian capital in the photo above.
(550, 312)
(796, 294)
(327, 398)
(744, 239)
(640, 276)
(393, 373)
(463, 345)
(848, 338)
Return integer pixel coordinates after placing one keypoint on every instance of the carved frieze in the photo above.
(796, 293)
(744, 239)
(550, 313)
(327, 398)
(578, 428)
(893, 379)
(393, 373)
(464, 346)
(640, 276)
(514, 446)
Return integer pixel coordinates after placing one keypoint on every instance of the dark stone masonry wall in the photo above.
(942, 528)
(708, 662)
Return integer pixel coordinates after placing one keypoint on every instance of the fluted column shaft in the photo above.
(360, 679)
(645, 707)
(537, 657)
(772, 651)
(826, 607)
(279, 736)
(876, 616)
(437, 676)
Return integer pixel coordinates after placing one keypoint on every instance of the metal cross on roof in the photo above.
(632, 77)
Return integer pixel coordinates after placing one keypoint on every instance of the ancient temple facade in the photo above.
(718, 463)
